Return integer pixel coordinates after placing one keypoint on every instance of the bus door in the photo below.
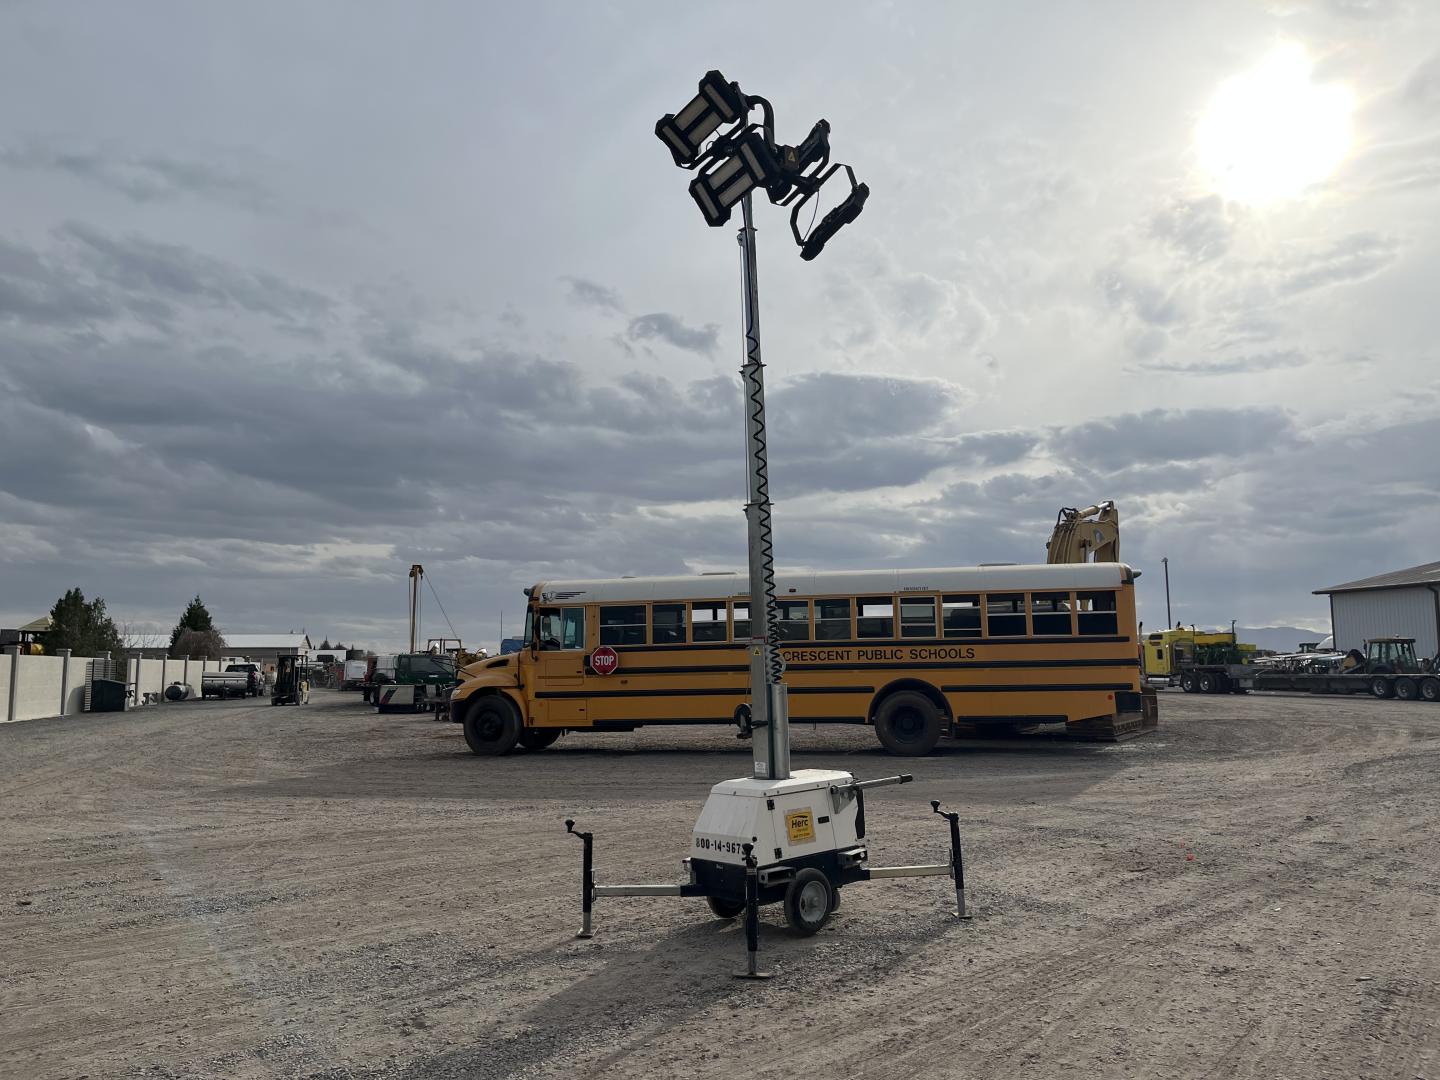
(557, 672)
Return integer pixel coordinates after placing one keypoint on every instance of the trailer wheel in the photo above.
(908, 724)
(725, 908)
(807, 901)
(1381, 687)
(1206, 682)
(492, 727)
(539, 738)
(1430, 688)
(1187, 682)
(1406, 690)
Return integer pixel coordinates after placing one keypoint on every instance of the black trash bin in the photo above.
(107, 695)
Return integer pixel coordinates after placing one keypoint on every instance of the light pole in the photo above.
(728, 167)
(1169, 621)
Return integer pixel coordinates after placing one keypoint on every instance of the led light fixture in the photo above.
(718, 102)
(744, 163)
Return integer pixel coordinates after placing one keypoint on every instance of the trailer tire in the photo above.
(1187, 681)
(539, 738)
(1406, 690)
(908, 723)
(1206, 682)
(492, 726)
(1381, 688)
(1430, 688)
(808, 901)
(722, 907)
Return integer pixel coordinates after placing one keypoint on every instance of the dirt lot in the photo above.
(216, 889)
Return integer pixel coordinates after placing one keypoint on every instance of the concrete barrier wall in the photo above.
(75, 667)
(44, 686)
(37, 687)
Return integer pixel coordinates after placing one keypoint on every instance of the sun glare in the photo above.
(1270, 133)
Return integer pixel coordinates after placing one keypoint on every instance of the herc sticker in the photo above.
(801, 827)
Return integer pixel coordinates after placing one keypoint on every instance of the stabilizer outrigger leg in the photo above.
(752, 916)
(587, 878)
(957, 861)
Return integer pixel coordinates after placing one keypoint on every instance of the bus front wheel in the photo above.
(908, 724)
(492, 727)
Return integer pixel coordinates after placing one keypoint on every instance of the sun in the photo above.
(1271, 133)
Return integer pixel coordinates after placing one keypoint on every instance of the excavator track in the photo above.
(1119, 728)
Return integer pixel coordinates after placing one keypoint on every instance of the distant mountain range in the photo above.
(1278, 638)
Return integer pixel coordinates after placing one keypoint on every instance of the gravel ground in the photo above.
(223, 890)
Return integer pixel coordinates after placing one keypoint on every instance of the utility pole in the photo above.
(1169, 619)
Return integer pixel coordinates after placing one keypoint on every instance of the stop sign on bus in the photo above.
(604, 660)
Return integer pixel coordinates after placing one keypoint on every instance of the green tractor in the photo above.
(421, 683)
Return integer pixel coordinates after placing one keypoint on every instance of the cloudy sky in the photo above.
(292, 296)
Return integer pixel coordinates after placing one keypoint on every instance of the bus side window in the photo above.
(1050, 613)
(707, 622)
(741, 611)
(917, 616)
(1005, 614)
(794, 619)
(1097, 613)
(667, 624)
(832, 620)
(572, 628)
(961, 616)
(622, 625)
(875, 616)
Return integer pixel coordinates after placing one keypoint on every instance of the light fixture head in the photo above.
(746, 162)
(718, 102)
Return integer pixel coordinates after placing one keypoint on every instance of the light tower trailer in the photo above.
(795, 841)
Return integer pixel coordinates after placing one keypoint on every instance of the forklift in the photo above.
(292, 682)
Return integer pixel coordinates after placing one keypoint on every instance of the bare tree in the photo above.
(200, 644)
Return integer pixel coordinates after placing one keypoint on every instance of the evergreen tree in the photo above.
(196, 617)
(85, 628)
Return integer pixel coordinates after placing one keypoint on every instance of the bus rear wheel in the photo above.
(539, 738)
(492, 727)
(908, 724)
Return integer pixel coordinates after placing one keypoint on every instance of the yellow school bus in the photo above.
(917, 654)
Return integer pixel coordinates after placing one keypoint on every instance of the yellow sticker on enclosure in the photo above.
(801, 826)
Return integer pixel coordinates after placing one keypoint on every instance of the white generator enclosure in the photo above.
(813, 818)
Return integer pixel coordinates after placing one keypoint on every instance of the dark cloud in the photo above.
(1423, 86)
(1174, 435)
(1198, 229)
(1355, 258)
(669, 328)
(588, 293)
(142, 178)
(171, 273)
(996, 447)
(34, 290)
(1233, 365)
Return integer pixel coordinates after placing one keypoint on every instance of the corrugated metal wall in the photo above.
(1386, 613)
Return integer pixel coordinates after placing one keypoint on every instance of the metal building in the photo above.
(1402, 603)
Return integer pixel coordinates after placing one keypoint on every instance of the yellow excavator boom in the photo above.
(1088, 535)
